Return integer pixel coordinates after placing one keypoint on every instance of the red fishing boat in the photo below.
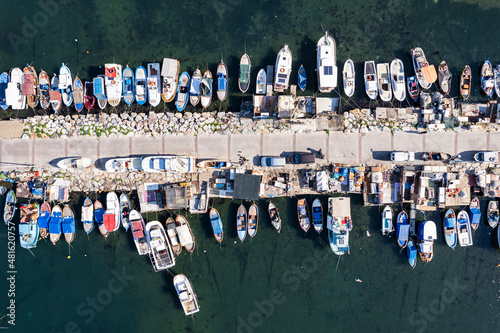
(89, 95)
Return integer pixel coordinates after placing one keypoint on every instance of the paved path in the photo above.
(346, 148)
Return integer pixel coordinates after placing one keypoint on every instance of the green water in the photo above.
(272, 283)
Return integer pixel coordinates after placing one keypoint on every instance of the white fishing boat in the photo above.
(496, 75)
(339, 224)
(398, 79)
(427, 233)
(349, 75)
(326, 63)
(154, 95)
(112, 213)
(141, 90)
(65, 85)
(387, 221)
(426, 74)
(184, 232)
(74, 163)
(186, 294)
(170, 75)
(113, 82)
(371, 84)
(126, 164)
(13, 93)
(384, 83)
(194, 90)
(464, 231)
(138, 232)
(169, 164)
(161, 254)
(283, 69)
(261, 86)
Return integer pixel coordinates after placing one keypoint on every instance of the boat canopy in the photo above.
(137, 229)
(403, 232)
(68, 225)
(99, 88)
(170, 68)
(244, 73)
(87, 214)
(222, 82)
(109, 221)
(55, 224)
(427, 230)
(185, 237)
(475, 215)
(449, 222)
(110, 70)
(99, 215)
(317, 215)
(12, 93)
(28, 86)
(412, 253)
(195, 86)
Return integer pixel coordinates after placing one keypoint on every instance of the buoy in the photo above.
(69, 257)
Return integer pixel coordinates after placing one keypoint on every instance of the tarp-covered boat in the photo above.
(216, 223)
(55, 227)
(317, 215)
(68, 224)
(241, 222)
(426, 235)
(402, 229)
(474, 213)
(88, 215)
(43, 219)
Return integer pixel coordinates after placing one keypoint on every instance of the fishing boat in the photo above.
(496, 75)
(141, 89)
(66, 85)
(161, 254)
(4, 83)
(371, 84)
(44, 83)
(99, 91)
(464, 231)
(413, 88)
(426, 236)
(349, 76)
(244, 77)
(487, 78)
(99, 218)
(172, 236)
(326, 63)
(444, 77)
(384, 83)
(183, 229)
(426, 74)
(55, 227)
(169, 164)
(13, 93)
(128, 85)
(398, 79)
(493, 213)
(261, 86)
(214, 164)
(450, 228)
(170, 75)
(241, 222)
(474, 213)
(411, 253)
(443, 157)
(206, 89)
(253, 220)
(30, 86)
(55, 94)
(10, 207)
(339, 224)
(402, 229)
(186, 294)
(125, 211)
(487, 156)
(465, 83)
(387, 225)
(303, 215)
(282, 69)
(113, 82)
(138, 232)
(216, 223)
(125, 164)
(154, 96)
(89, 95)
(74, 163)
(222, 81)
(112, 213)
(28, 225)
(78, 94)
(194, 90)
(274, 215)
(43, 219)
(182, 92)
(68, 224)
(302, 78)
(317, 215)
(88, 215)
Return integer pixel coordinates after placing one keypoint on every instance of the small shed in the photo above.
(246, 187)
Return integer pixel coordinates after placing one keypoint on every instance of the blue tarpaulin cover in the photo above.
(403, 231)
(68, 225)
(216, 225)
(475, 215)
(55, 224)
(99, 215)
(43, 220)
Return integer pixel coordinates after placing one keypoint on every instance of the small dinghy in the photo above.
(214, 164)
(128, 85)
(44, 81)
(28, 225)
(464, 231)
(68, 224)
(371, 84)
(74, 163)
(444, 77)
(194, 90)
(302, 78)
(216, 223)
(241, 222)
(222, 81)
(274, 215)
(487, 78)
(402, 229)
(450, 228)
(398, 79)
(384, 84)
(426, 74)
(349, 76)
(244, 77)
(99, 218)
(411, 253)
(183, 229)
(253, 220)
(124, 211)
(182, 92)
(303, 215)
(474, 213)
(261, 86)
(112, 214)
(172, 236)
(99, 91)
(141, 89)
(43, 219)
(55, 227)
(10, 207)
(387, 216)
(66, 85)
(186, 294)
(465, 83)
(138, 232)
(413, 88)
(206, 89)
(493, 213)
(89, 95)
(88, 215)
(317, 214)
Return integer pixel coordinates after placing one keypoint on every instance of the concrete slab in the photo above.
(277, 144)
(376, 147)
(439, 142)
(405, 141)
(142, 145)
(248, 144)
(85, 147)
(180, 144)
(113, 147)
(49, 152)
(10, 129)
(468, 143)
(312, 142)
(16, 154)
(343, 148)
(213, 146)
(494, 141)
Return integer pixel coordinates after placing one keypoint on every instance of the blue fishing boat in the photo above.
(43, 219)
(413, 88)
(411, 253)
(317, 215)
(141, 89)
(493, 213)
(339, 224)
(128, 85)
(474, 213)
(99, 218)
(4, 82)
(182, 92)
(66, 85)
(10, 207)
(55, 224)
(216, 223)
(68, 224)
(450, 228)
(99, 91)
(28, 225)
(302, 78)
(88, 215)
(463, 229)
(241, 222)
(78, 94)
(124, 211)
(402, 229)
